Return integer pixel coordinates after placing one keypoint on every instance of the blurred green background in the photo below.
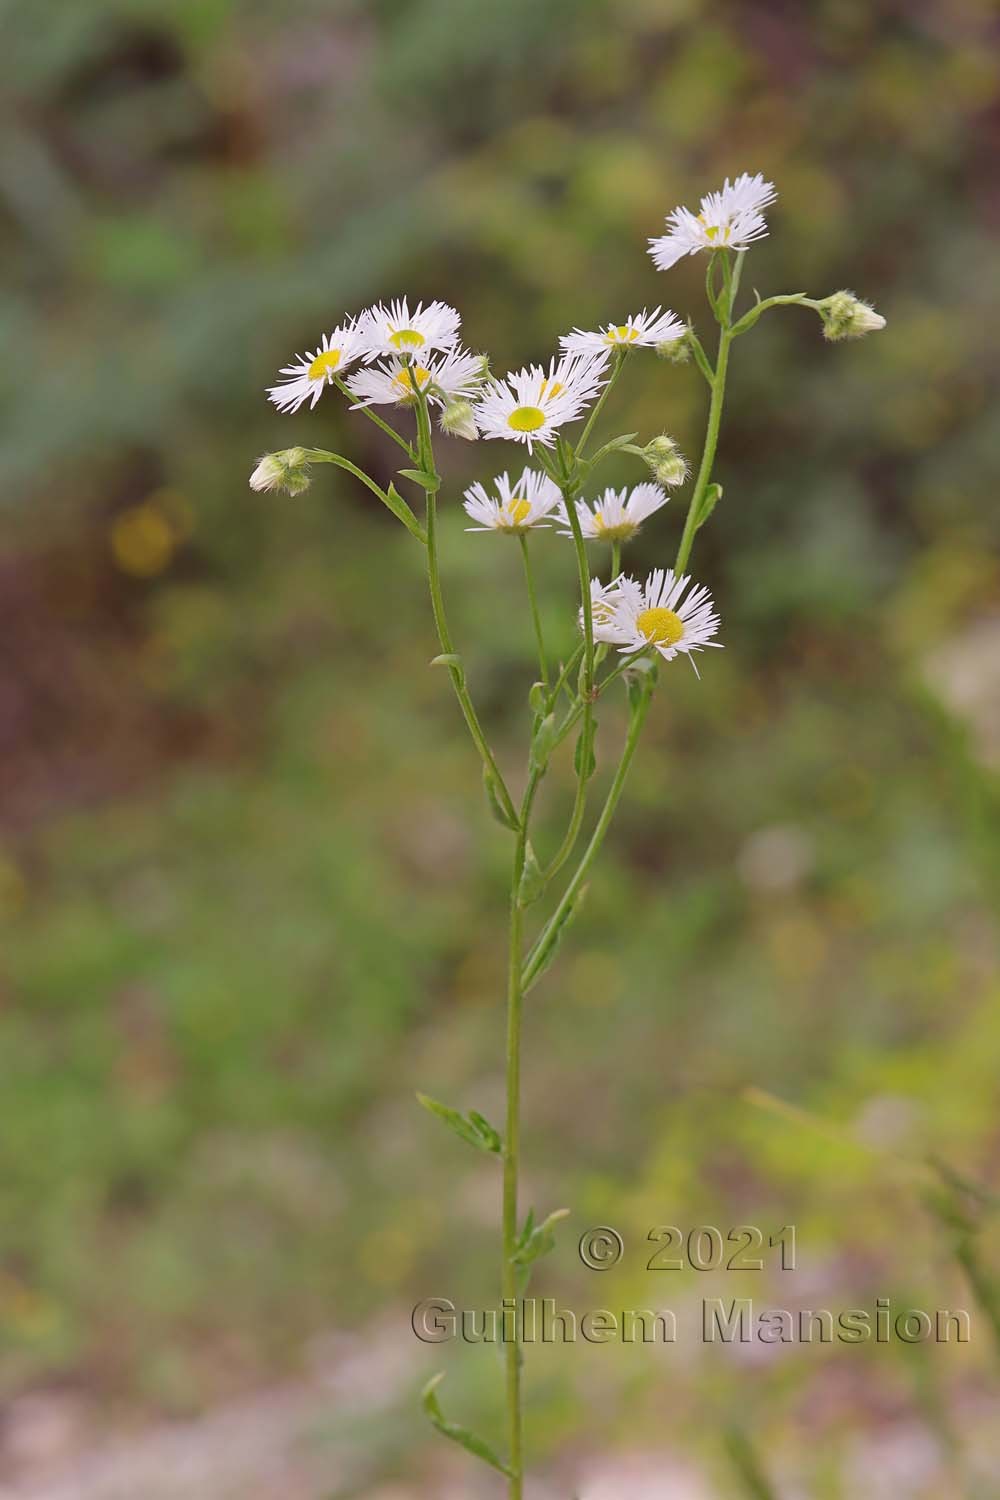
(249, 892)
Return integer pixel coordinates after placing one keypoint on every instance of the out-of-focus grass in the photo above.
(248, 887)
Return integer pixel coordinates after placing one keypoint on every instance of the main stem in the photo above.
(511, 1169)
(731, 276)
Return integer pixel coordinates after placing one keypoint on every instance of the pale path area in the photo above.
(324, 1436)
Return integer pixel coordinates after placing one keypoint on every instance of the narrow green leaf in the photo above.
(532, 882)
(556, 936)
(538, 698)
(543, 741)
(429, 482)
(491, 1138)
(461, 1435)
(710, 500)
(497, 808)
(625, 440)
(535, 1241)
(466, 1128)
(447, 659)
(584, 759)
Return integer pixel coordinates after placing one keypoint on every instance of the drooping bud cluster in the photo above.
(845, 316)
(287, 470)
(666, 462)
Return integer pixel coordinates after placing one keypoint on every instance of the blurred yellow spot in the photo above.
(142, 540)
(526, 419)
(324, 365)
(661, 627)
(550, 388)
(622, 334)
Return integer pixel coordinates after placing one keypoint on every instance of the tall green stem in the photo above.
(536, 618)
(549, 935)
(455, 670)
(708, 452)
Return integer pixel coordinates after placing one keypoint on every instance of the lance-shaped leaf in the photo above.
(542, 742)
(461, 1435)
(710, 500)
(429, 482)
(492, 790)
(536, 1240)
(584, 759)
(472, 1128)
(532, 882)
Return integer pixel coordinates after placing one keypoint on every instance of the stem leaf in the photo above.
(543, 742)
(461, 1435)
(532, 882)
(497, 808)
(584, 758)
(473, 1128)
(429, 482)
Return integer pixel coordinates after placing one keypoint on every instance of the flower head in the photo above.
(661, 613)
(730, 219)
(287, 470)
(308, 378)
(845, 316)
(445, 378)
(618, 514)
(605, 602)
(530, 405)
(667, 463)
(520, 506)
(393, 329)
(641, 330)
(458, 419)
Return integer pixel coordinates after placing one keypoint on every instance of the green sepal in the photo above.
(497, 808)
(543, 741)
(429, 482)
(461, 1435)
(584, 758)
(538, 698)
(472, 1128)
(532, 882)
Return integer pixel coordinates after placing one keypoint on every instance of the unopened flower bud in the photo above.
(459, 420)
(666, 462)
(287, 470)
(845, 316)
(677, 351)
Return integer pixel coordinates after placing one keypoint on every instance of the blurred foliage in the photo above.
(247, 887)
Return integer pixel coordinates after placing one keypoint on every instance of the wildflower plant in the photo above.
(629, 629)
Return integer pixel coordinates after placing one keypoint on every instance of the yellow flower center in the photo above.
(622, 531)
(405, 381)
(517, 510)
(324, 364)
(407, 338)
(661, 627)
(526, 418)
(623, 334)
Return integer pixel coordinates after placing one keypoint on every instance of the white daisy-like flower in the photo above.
(393, 329)
(309, 377)
(661, 613)
(516, 507)
(445, 379)
(530, 405)
(618, 514)
(730, 219)
(642, 330)
(605, 599)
